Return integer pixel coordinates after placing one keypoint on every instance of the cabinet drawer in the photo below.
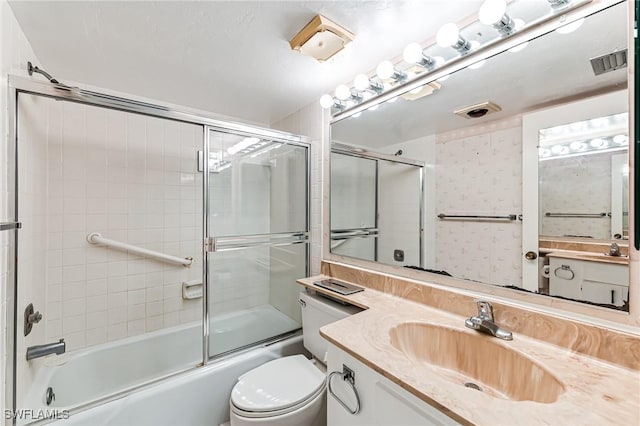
(606, 273)
(599, 292)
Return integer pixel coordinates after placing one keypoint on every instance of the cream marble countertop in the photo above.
(590, 257)
(595, 392)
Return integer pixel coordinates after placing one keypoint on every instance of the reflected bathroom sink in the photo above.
(477, 361)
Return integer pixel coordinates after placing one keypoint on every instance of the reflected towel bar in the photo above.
(585, 215)
(509, 217)
(97, 238)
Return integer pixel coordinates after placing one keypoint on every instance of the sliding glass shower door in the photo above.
(258, 232)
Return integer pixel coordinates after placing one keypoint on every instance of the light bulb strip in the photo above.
(573, 10)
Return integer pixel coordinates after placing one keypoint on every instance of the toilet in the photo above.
(290, 391)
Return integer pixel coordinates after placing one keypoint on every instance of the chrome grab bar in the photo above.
(97, 238)
(348, 376)
(346, 234)
(509, 217)
(585, 215)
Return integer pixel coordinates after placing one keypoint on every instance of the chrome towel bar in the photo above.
(585, 215)
(510, 217)
(348, 376)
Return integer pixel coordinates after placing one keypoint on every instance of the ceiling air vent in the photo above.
(609, 62)
(478, 110)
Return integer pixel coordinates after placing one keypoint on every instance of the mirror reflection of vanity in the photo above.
(498, 194)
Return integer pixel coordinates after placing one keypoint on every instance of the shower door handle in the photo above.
(7, 226)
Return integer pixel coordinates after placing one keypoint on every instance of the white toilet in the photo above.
(290, 391)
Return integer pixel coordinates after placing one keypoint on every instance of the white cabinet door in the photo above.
(598, 292)
(383, 403)
(565, 278)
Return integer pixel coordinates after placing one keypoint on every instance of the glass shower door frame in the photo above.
(213, 245)
(20, 85)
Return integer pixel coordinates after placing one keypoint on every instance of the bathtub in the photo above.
(87, 375)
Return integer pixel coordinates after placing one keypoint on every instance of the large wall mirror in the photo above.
(507, 199)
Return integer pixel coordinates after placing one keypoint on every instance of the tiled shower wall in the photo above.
(131, 178)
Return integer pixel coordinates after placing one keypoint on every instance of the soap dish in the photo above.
(339, 287)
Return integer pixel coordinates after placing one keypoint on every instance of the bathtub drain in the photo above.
(49, 396)
(473, 386)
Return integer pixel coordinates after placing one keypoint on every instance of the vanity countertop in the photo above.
(590, 257)
(595, 392)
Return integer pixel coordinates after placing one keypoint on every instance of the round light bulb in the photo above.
(342, 92)
(598, 143)
(571, 27)
(326, 101)
(492, 11)
(412, 53)
(620, 139)
(577, 146)
(385, 70)
(361, 82)
(448, 35)
(557, 149)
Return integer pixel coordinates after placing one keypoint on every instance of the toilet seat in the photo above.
(277, 387)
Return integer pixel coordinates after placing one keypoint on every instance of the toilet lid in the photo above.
(278, 384)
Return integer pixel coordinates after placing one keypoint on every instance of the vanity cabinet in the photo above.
(382, 401)
(597, 282)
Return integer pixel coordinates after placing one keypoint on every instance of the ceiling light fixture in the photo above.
(321, 39)
(413, 54)
(494, 12)
(449, 36)
(386, 70)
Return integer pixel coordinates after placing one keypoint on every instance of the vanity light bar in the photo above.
(397, 82)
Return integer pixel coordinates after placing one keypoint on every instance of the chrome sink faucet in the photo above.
(484, 322)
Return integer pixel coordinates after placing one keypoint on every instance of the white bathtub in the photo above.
(86, 375)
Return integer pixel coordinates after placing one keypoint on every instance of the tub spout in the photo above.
(47, 349)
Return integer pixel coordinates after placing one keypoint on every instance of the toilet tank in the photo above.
(318, 311)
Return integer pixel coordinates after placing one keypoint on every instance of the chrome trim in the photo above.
(7, 226)
(206, 232)
(343, 149)
(421, 252)
(576, 10)
(347, 234)
(260, 240)
(89, 97)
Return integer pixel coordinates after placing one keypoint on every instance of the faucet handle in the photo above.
(485, 310)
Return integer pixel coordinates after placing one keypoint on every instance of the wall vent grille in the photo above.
(609, 62)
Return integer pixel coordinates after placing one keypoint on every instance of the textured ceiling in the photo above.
(227, 57)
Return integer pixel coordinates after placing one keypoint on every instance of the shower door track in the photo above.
(19, 85)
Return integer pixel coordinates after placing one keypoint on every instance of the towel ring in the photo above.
(564, 268)
(348, 377)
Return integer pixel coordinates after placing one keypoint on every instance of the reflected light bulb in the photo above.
(326, 101)
(412, 53)
(342, 92)
(448, 35)
(492, 11)
(385, 70)
(557, 149)
(598, 143)
(577, 146)
(571, 27)
(620, 139)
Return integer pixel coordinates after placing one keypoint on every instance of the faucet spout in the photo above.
(485, 323)
(38, 351)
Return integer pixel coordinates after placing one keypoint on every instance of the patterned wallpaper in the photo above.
(480, 174)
